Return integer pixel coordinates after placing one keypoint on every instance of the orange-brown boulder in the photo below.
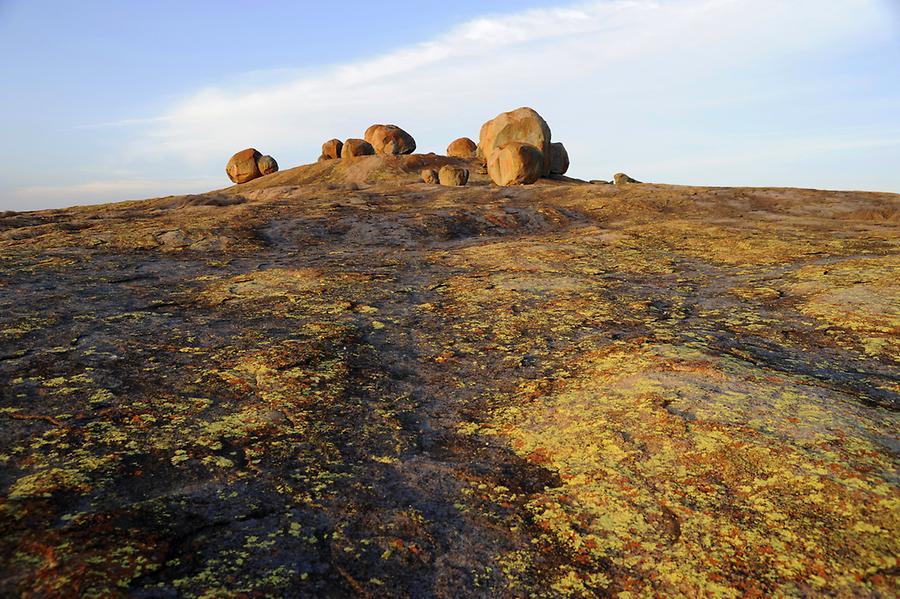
(266, 165)
(242, 167)
(453, 176)
(522, 125)
(559, 159)
(515, 163)
(356, 147)
(462, 148)
(391, 139)
(368, 134)
(331, 149)
(429, 175)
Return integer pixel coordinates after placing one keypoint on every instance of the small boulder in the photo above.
(623, 179)
(522, 125)
(391, 139)
(453, 176)
(353, 148)
(242, 166)
(463, 148)
(267, 165)
(559, 159)
(516, 163)
(429, 175)
(331, 149)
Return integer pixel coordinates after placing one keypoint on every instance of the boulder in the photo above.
(559, 159)
(429, 175)
(516, 163)
(463, 148)
(453, 176)
(368, 134)
(267, 165)
(356, 147)
(623, 179)
(242, 167)
(331, 149)
(522, 125)
(391, 139)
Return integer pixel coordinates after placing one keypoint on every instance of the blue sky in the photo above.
(105, 101)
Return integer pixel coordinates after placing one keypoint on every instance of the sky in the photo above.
(108, 100)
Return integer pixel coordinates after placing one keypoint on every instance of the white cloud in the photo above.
(566, 61)
(614, 78)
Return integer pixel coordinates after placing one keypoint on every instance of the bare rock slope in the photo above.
(336, 380)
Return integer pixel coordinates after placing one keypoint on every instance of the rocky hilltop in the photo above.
(339, 380)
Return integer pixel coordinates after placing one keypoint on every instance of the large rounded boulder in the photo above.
(243, 167)
(516, 163)
(390, 139)
(522, 125)
(453, 176)
(266, 165)
(463, 148)
(559, 159)
(354, 148)
(371, 129)
(331, 149)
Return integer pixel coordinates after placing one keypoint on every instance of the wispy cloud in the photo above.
(566, 60)
(616, 79)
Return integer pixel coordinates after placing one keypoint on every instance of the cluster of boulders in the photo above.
(513, 148)
(378, 139)
(449, 175)
(249, 164)
(516, 149)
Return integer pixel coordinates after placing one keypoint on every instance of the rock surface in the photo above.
(242, 167)
(516, 164)
(522, 125)
(354, 148)
(331, 149)
(267, 165)
(453, 176)
(328, 383)
(559, 159)
(623, 179)
(390, 139)
(463, 148)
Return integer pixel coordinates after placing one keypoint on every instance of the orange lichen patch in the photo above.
(687, 473)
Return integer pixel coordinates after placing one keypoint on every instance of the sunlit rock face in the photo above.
(338, 379)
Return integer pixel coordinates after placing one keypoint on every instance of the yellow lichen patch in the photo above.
(859, 297)
(686, 473)
(285, 292)
(22, 327)
(273, 283)
(765, 244)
